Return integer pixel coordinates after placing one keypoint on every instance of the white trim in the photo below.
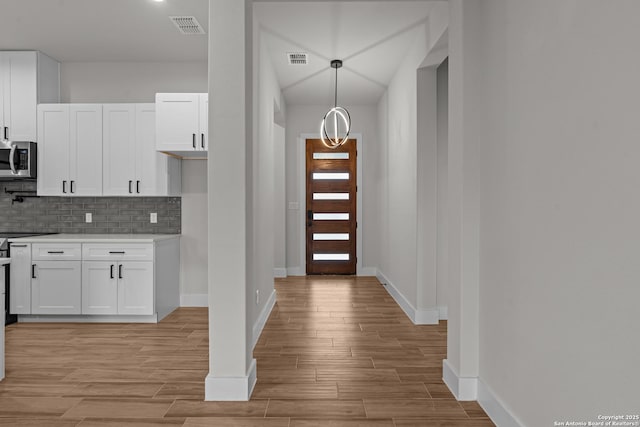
(302, 269)
(423, 316)
(368, 271)
(279, 272)
(444, 312)
(495, 408)
(262, 318)
(426, 316)
(230, 388)
(93, 318)
(463, 388)
(194, 300)
(295, 271)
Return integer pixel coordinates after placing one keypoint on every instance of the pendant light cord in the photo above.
(335, 98)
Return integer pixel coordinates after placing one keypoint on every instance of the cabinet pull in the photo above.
(111, 272)
(194, 140)
(64, 187)
(6, 133)
(33, 271)
(120, 271)
(138, 187)
(71, 186)
(18, 246)
(202, 141)
(117, 252)
(130, 183)
(55, 252)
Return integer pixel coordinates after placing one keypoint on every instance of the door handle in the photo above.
(120, 271)
(309, 218)
(194, 140)
(111, 271)
(202, 141)
(130, 183)
(64, 187)
(12, 154)
(33, 271)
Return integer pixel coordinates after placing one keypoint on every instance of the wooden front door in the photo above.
(331, 208)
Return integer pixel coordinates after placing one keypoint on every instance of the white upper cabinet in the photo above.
(132, 166)
(182, 124)
(26, 78)
(70, 149)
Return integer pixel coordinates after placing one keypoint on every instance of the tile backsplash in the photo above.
(112, 215)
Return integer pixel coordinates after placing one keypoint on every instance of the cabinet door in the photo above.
(135, 288)
(119, 153)
(204, 121)
(85, 150)
(99, 288)
(20, 95)
(177, 124)
(20, 279)
(151, 166)
(53, 150)
(56, 288)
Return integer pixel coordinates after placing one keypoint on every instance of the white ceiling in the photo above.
(371, 37)
(103, 30)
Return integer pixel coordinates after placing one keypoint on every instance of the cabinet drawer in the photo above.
(117, 252)
(56, 251)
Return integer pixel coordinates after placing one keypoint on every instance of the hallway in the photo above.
(336, 351)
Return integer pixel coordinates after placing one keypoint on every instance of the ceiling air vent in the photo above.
(297, 58)
(187, 24)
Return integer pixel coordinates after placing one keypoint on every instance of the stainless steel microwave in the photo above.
(18, 160)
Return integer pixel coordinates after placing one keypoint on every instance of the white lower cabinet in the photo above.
(20, 279)
(55, 287)
(99, 288)
(135, 288)
(117, 287)
(100, 279)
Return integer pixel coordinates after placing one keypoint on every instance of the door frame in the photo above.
(302, 209)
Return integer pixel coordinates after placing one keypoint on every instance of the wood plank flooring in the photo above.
(336, 351)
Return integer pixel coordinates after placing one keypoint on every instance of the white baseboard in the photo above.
(495, 408)
(296, 271)
(444, 312)
(194, 300)
(423, 316)
(230, 388)
(90, 318)
(368, 271)
(262, 318)
(463, 388)
(426, 316)
(279, 272)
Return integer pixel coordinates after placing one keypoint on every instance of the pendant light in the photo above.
(336, 124)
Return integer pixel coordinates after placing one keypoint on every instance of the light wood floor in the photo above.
(335, 352)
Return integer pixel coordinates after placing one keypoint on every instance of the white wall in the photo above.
(280, 203)
(267, 152)
(442, 273)
(550, 98)
(128, 81)
(305, 119)
(410, 183)
(97, 82)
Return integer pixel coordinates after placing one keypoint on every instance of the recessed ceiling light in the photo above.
(158, 1)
